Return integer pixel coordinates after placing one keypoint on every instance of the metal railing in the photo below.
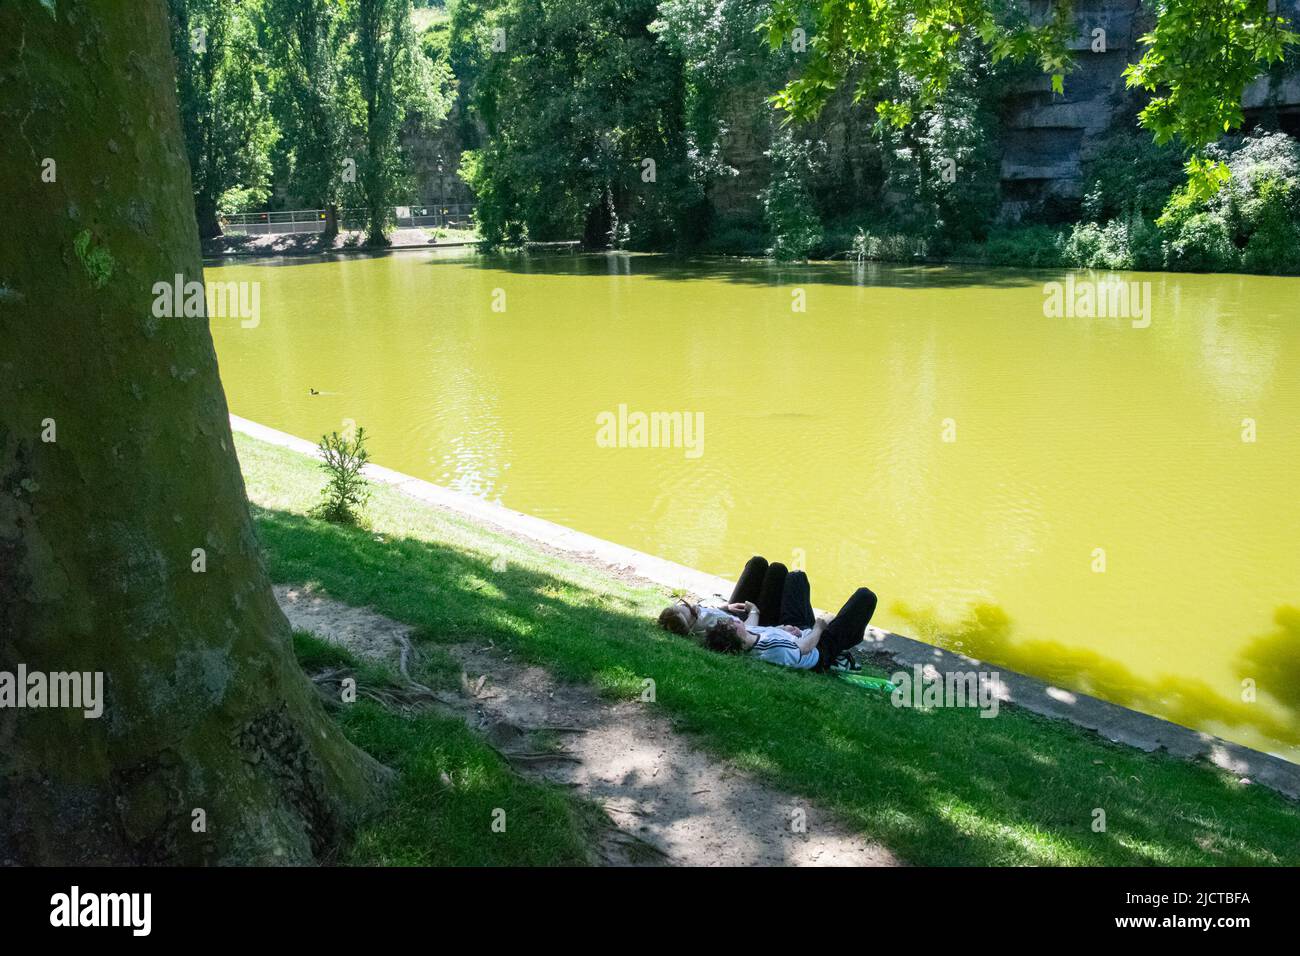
(439, 216)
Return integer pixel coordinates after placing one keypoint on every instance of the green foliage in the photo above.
(1274, 244)
(221, 82)
(569, 132)
(305, 40)
(1250, 224)
(1130, 243)
(787, 206)
(1199, 242)
(1129, 174)
(721, 62)
(300, 86)
(1035, 246)
(886, 247)
(242, 199)
(387, 76)
(346, 491)
(737, 235)
(1198, 60)
(905, 54)
(946, 161)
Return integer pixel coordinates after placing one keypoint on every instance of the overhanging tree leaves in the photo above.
(1198, 60)
(1197, 63)
(907, 45)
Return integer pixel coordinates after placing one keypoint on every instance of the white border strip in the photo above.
(665, 573)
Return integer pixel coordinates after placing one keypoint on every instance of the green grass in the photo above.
(938, 787)
(451, 788)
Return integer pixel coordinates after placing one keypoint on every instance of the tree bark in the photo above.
(205, 214)
(601, 223)
(205, 708)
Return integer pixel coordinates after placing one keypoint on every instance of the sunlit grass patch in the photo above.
(944, 786)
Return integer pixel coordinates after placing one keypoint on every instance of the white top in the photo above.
(705, 618)
(776, 645)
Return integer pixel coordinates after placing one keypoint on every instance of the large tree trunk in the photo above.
(205, 214)
(205, 708)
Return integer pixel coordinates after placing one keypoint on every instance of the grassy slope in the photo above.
(943, 787)
(451, 786)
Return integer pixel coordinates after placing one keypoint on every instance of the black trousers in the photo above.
(764, 585)
(784, 597)
(848, 628)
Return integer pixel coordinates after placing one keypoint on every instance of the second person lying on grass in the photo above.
(798, 639)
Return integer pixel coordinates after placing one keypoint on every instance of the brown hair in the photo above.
(722, 637)
(674, 619)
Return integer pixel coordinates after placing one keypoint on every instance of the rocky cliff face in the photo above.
(1046, 138)
(849, 165)
(435, 160)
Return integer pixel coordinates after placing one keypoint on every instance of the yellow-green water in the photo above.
(928, 432)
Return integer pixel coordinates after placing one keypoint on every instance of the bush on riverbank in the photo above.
(1138, 214)
(1250, 225)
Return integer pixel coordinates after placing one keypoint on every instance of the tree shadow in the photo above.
(941, 787)
(1273, 660)
(986, 633)
(762, 272)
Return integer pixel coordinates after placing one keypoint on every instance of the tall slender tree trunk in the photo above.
(205, 215)
(126, 546)
(601, 225)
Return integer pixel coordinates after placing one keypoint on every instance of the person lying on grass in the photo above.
(797, 640)
(693, 619)
(760, 583)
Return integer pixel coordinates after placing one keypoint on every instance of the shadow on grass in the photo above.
(939, 787)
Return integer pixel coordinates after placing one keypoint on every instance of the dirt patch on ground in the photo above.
(658, 790)
(369, 636)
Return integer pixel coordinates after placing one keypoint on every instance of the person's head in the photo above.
(726, 636)
(676, 619)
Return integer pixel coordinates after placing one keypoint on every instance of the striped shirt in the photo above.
(776, 645)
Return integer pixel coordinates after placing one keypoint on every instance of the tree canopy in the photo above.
(1198, 59)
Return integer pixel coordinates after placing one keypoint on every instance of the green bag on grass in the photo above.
(870, 683)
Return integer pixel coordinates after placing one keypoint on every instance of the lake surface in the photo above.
(1075, 497)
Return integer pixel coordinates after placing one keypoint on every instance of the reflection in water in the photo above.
(986, 633)
(1272, 662)
(926, 431)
